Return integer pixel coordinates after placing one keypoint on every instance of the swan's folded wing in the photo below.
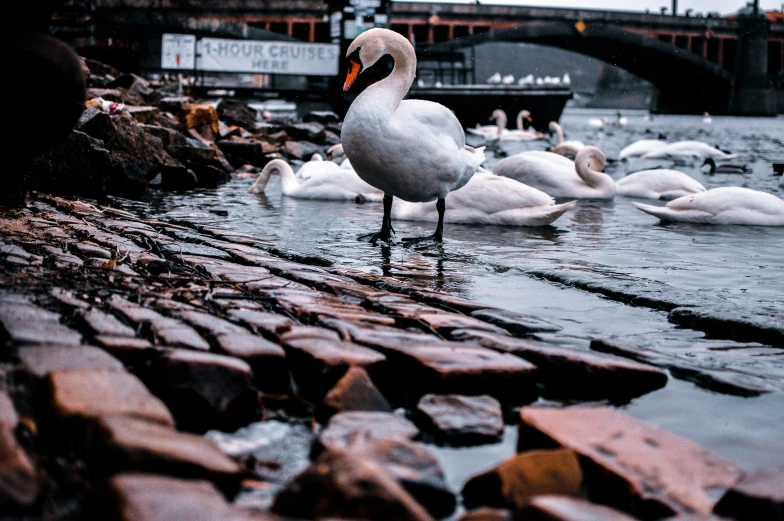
(435, 116)
(666, 213)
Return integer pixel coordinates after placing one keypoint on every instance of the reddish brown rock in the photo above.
(487, 514)
(462, 420)
(514, 482)
(572, 373)
(413, 466)
(353, 392)
(318, 363)
(759, 496)
(145, 497)
(339, 484)
(564, 508)
(143, 114)
(40, 361)
(204, 390)
(346, 428)
(89, 393)
(236, 112)
(129, 350)
(631, 464)
(19, 483)
(129, 444)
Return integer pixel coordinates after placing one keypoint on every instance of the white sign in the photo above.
(178, 51)
(365, 4)
(260, 57)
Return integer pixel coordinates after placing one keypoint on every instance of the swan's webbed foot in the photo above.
(385, 235)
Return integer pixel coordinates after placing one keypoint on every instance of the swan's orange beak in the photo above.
(529, 118)
(351, 75)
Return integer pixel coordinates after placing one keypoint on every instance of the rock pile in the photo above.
(125, 340)
(135, 136)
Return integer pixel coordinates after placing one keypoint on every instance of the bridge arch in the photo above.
(687, 83)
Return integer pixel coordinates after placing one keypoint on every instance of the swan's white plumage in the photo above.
(521, 134)
(314, 167)
(642, 147)
(337, 184)
(688, 151)
(725, 205)
(561, 178)
(489, 199)
(658, 184)
(492, 131)
(411, 149)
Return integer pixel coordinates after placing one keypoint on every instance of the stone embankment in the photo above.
(135, 136)
(319, 388)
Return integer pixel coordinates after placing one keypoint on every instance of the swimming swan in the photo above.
(641, 147)
(660, 183)
(492, 131)
(565, 148)
(725, 205)
(338, 184)
(489, 199)
(411, 149)
(688, 152)
(521, 134)
(578, 180)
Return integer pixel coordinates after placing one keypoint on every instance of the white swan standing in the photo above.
(411, 149)
(489, 199)
(521, 134)
(641, 147)
(492, 131)
(659, 183)
(576, 180)
(688, 152)
(338, 184)
(565, 148)
(725, 205)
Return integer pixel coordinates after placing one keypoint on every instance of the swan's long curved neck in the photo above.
(288, 180)
(592, 177)
(520, 121)
(501, 121)
(386, 94)
(559, 132)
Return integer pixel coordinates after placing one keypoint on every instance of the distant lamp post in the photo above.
(674, 7)
(663, 11)
(688, 12)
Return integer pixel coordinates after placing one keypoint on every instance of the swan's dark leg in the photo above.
(438, 236)
(387, 231)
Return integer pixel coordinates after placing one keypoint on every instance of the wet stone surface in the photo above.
(125, 337)
(462, 420)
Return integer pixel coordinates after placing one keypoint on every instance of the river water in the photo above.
(615, 252)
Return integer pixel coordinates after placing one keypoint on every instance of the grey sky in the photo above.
(721, 6)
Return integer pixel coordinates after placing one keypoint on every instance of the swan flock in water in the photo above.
(412, 156)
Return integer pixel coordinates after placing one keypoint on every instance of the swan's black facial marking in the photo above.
(370, 75)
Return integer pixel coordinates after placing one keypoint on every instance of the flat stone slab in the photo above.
(146, 497)
(165, 331)
(515, 323)
(271, 324)
(487, 514)
(514, 482)
(574, 373)
(632, 464)
(130, 444)
(452, 367)
(345, 428)
(564, 508)
(25, 323)
(759, 495)
(90, 393)
(101, 323)
(462, 420)
(704, 372)
(39, 361)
